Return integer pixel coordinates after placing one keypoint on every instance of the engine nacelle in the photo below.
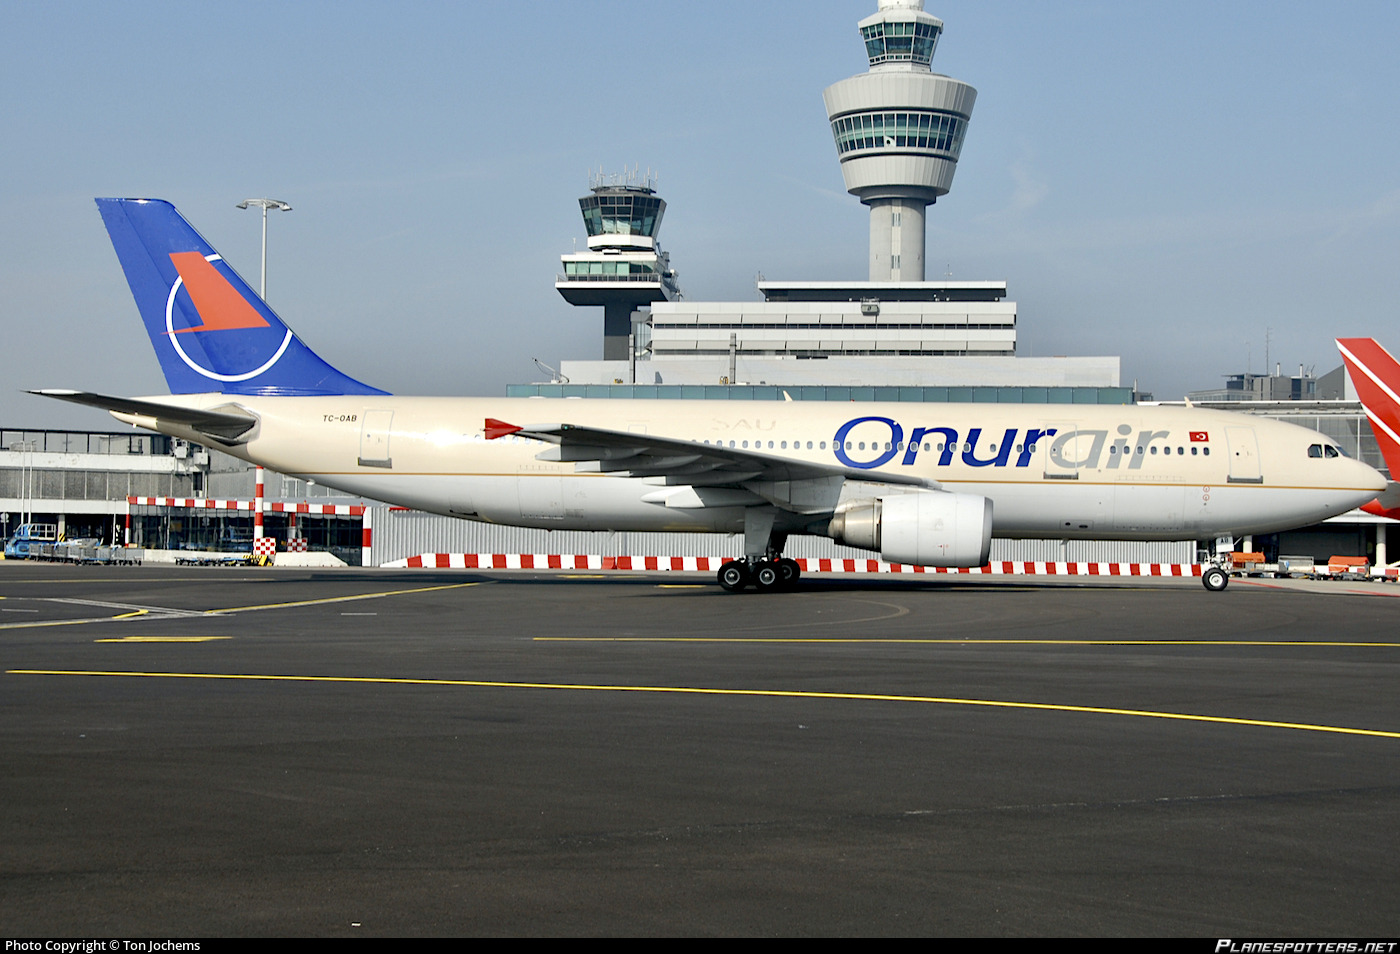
(924, 528)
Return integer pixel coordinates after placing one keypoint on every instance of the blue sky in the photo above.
(1168, 183)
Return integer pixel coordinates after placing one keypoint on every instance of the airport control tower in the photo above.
(899, 129)
(624, 268)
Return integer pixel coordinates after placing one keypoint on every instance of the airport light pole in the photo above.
(26, 478)
(265, 204)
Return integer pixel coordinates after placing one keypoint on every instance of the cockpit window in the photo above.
(1325, 450)
(1314, 450)
(1331, 450)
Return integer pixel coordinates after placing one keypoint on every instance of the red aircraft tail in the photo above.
(1376, 377)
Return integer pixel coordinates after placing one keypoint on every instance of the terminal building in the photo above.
(159, 493)
(79, 481)
(898, 130)
(812, 333)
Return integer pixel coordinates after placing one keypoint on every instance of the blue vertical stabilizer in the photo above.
(210, 330)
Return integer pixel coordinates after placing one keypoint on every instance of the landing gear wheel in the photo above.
(791, 572)
(767, 576)
(734, 576)
(1215, 579)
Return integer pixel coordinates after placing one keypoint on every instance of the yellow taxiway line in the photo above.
(957, 641)
(160, 612)
(342, 599)
(705, 691)
(160, 639)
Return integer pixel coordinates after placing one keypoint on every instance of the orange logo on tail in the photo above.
(218, 303)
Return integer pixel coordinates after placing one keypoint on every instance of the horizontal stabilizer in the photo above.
(227, 423)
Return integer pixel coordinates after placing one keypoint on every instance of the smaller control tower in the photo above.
(899, 129)
(624, 268)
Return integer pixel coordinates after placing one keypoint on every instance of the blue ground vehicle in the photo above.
(29, 535)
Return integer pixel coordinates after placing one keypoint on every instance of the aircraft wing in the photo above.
(226, 423)
(672, 461)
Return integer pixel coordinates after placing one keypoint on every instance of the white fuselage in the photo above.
(1057, 471)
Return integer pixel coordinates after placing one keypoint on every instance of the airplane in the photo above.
(1376, 377)
(921, 484)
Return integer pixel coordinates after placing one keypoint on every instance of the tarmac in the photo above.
(197, 752)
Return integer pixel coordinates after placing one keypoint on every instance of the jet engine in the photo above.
(924, 528)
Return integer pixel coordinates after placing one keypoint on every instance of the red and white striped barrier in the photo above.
(555, 561)
(258, 510)
(339, 510)
(196, 503)
(209, 503)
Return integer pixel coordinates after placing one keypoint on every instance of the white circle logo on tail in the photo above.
(174, 335)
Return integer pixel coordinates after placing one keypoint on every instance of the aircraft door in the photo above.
(1244, 455)
(374, 439)
(1060, 452)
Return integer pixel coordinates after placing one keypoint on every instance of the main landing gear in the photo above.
(768, 575)
(763, 565)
